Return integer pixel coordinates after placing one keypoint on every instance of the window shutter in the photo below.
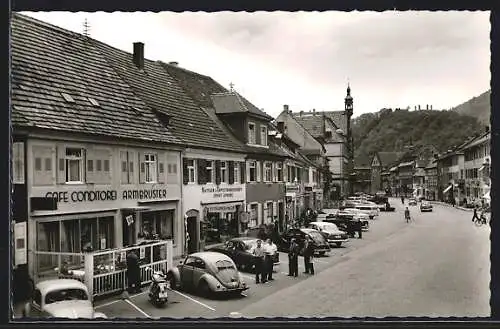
(131, 167)
(142, 168)
(248, 170)
(259, 214)
(217, 172)
(161, 167)
(285, 173)
(185, 173)
(275, 209)
(258, 170)
(90, 168)
(243, 172)
(202, 171)
(230, 167)
(107, 166)
(61, 165)
(123, 167)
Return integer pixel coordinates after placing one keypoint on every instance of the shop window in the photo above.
(71, 238)
(157, 225)
(210, 171)
(220, 227)
(223, 172)
(18, 162)
(48, 236)
(254, 216)
(251, 133)
(252, 171)
(74, 165)
(268, 171)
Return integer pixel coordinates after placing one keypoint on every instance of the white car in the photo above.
(359, 214)
(331, 232)
(371, 209)
(61, 298)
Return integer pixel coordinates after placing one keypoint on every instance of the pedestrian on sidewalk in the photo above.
(402, 199)
(270, 250)
(475, 216)
(359, 226)
(133, 272)
(308, 255)
(259, 263)
(293, 258)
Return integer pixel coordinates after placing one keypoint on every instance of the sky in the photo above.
(306, 59)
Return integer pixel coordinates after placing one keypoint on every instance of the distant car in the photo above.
(321, 246)
(61, 298)
(240, 250)
(207, 273)
(331, 232)
(425, 206)
(412, 202)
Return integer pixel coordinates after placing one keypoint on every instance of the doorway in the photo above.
(128, 228)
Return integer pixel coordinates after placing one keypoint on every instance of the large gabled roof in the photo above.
(388, 158)
(48, 61)
(207, 92)
(160, 91)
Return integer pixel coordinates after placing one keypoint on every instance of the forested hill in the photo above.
(392, 130)
(478, 107)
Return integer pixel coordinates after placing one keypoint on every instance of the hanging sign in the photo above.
(129, 219)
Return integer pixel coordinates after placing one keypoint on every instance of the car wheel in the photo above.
(338, 244)
(171, 280)
(204, 288)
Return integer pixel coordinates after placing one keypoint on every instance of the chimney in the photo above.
(431, 107)
(174, 63)
(419, 107)
(427, 106)
(138, 56)
(301, 112)
(314, 112)
(285, 108)
(415, 107)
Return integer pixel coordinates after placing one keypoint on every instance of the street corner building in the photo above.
(95, 168)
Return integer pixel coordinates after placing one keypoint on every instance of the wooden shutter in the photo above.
(107, 156)
(161, 167)
(185, 172)
(258, 171)
(248, 170)
(61, 164)
(242, 172)
(285, 173)
(202, 171)
(217, 172)
(259, 214)
(90, 168)
(123, 167)
(142, 168)
(132, 169)
(230, 167)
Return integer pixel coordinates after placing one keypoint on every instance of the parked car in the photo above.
(346, 220)
(331, 232)
(369, 208)
(240, 250)
(207, 273)
(412, 202)
(61, 298)
(356, 214)
(425, 206)
(321, 246)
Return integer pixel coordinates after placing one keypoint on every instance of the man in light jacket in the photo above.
(259, 252)
(270, 250)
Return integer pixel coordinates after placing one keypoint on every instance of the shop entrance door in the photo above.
(193, 236)
(128, 229)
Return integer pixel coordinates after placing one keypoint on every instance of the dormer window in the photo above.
(251, 133)
(68, 98)
(263, 136)
(93, 102)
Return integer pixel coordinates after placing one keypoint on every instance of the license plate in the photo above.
(162, 294)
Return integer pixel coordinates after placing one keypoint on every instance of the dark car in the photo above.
(321, 245)
(346, 221)
(425, 206)
(240, 251)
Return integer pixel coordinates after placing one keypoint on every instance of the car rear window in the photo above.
(224, 265)
(65, 294)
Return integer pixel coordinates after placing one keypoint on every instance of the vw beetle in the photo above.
(207, 273)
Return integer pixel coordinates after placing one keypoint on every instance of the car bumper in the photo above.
(333, 242)
(321, 250)
(425, 209)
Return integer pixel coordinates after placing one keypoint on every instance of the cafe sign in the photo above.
(106, 195)
(221, 192)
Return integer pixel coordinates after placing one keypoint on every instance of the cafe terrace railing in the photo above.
(105, 272)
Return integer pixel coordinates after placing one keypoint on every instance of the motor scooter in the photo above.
(157, 293)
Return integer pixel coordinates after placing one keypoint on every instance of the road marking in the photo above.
(137, 308)
(119, 300)
(194, 300)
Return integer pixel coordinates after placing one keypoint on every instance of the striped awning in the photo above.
(447, 189)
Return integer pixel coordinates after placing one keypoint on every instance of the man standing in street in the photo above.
(133, 272)
(359, 227)
(270, 250)
(475, 216)
(259, 263)
(293, 259)
(308, 255)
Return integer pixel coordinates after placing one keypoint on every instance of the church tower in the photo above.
(348, 111)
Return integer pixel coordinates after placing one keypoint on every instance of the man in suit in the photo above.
(259, 252)
(293, 259)
(308, 255)
(133, 272)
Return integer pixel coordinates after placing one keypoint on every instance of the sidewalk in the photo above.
(449, 205)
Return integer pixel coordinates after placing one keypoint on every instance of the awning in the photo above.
(447, 189)
(481, 169)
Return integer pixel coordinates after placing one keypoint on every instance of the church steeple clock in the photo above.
(349, 109)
